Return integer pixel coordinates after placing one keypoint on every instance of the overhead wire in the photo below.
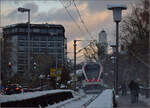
(91, 42)
(71, 15)
(82, 21)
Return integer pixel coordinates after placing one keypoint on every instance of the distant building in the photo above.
(44, 38)
(103, 40)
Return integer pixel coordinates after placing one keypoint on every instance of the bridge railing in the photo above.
(34, 100)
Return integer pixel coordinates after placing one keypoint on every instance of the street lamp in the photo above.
(113, 58)
(117, 14)
(27, 10)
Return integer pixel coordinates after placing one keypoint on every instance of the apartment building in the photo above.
(44, 38)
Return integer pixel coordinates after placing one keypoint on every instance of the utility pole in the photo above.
(75, 62)
(75, 44)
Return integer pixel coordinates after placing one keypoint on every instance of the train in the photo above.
(93, 77)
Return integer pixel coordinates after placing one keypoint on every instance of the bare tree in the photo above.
(91, 52)
(135, 36)
(135, 27)
(94, 52)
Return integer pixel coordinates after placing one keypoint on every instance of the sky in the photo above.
(94, 14)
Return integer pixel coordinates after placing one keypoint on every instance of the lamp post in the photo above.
(27, 10)
(113, 58)
(117, 14)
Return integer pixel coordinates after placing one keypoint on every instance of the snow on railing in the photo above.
(28, 95)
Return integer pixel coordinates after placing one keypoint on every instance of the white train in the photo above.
(93, 82)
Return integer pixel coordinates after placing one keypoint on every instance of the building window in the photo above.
(35, 49)
(59, 30)
(21, 29)
(59, 56)
(51, 44)
(44, 30)
(58, 44)
(51, 30)
(21, 49)
(43, 49)
(21, 56)
(35, 44)
(36, 30)
(43, 38)
(21, 43)
(22, 37)
(58, 50)
(52, 50)
(21, 67)
(60, 38)
(43, 44)
(35, 38)
(50, 38)
(20, 61)
(14, 30)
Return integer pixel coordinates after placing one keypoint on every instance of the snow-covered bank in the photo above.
(23, 96)
(104, 100)
(75, 102)
(144, 99)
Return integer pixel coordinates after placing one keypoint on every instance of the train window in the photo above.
(92, 71)
(101, 75)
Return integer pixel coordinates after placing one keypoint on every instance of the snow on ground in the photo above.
(104, 100)
(144, 99)
(27, 95)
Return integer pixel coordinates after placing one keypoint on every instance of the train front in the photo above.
(93, 81)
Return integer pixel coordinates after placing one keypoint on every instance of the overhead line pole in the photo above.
(75, 44)
(75, 62)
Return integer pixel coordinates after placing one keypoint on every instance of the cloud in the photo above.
(12, 15)
(32, 6)
(101, 5)
(58, 15)
(93, 12)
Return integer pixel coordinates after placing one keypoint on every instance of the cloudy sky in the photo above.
(94, 14)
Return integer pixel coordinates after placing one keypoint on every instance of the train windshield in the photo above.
(92, 71)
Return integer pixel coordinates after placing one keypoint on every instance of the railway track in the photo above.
(81, 102)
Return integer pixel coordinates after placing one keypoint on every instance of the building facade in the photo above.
(44, 39)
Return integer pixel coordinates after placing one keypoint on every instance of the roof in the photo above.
(34, 25)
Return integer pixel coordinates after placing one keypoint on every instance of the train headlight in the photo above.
(88, 80)
(97, 80)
